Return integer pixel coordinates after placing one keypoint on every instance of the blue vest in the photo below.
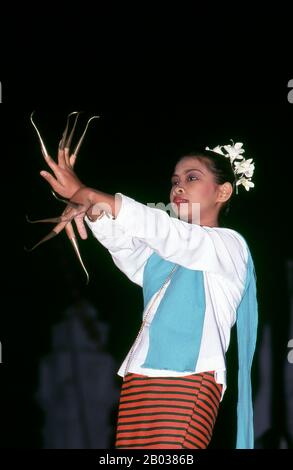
(176, 330)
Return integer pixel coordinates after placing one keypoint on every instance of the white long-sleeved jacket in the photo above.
(220, 253)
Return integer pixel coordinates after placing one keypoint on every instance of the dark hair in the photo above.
(221, 168)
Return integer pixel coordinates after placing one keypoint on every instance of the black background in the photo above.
(150, 115)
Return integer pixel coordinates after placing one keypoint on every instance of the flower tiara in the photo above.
(242, 168)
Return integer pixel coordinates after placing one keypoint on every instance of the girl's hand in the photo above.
(64, 182)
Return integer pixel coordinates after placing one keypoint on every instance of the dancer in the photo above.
(198, 280)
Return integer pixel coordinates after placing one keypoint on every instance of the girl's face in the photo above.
(192, 182)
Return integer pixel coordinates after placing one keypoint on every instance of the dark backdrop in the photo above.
(133, 149)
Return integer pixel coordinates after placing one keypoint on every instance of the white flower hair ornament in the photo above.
(243, 168)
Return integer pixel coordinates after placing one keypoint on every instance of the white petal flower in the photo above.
(238, 146)
(245, 182)
(245, 166)
(250, 171)
(234, 151)
(217, 149)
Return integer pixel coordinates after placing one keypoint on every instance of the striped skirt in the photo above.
(167, 412)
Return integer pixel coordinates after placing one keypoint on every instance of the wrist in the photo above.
(98, 202)
(79, 193)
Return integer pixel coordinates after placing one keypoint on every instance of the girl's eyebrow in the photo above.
(190, 169)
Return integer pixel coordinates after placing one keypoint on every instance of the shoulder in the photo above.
(233, 240)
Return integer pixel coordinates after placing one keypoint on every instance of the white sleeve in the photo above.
(128, 253)
(218, 250)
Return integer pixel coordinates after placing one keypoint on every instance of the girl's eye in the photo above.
(192, 177)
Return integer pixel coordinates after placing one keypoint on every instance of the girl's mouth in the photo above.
(179, 200)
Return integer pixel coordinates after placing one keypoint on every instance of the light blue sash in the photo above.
(247, 319)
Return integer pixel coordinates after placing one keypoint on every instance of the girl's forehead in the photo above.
(189, 162)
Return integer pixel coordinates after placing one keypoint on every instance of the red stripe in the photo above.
(157, 388)
(148, 439)
(154, 411)
(152, 424)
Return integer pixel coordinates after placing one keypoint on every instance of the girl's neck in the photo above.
(209, 222)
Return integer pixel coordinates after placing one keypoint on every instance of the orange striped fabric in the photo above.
(167, 412)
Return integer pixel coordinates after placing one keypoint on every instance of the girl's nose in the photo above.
(179, 190)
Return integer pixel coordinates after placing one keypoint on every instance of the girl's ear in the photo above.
(225, 192)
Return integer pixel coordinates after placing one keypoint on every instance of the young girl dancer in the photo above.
(198, 280)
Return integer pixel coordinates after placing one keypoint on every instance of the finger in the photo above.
(72, 213)
(68, 212)
(43, 240)
(69, 140)
(73, 240)
(72, 159)
(47, 157)
(78, 216)
(76, 150)
(79, 222)
(69, 230)
(54, 220)
(61, 158)
(66, 154)
(59, 227)
(53, 165)
(43, 147)
(52, 181)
